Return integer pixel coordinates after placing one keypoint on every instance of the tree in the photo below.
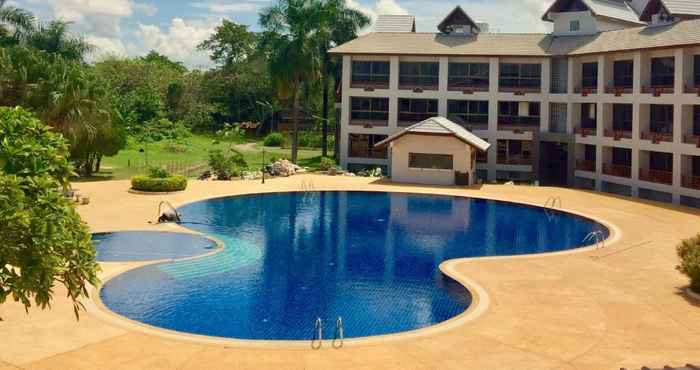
(15, 23)
(55, 38)
(290, 42)
(162, 60)
(340, 24)
(42, 238)
(230, 44)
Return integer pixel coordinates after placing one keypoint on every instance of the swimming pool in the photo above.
(124, 246)
(369, 257)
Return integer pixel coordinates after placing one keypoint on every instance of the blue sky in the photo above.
(175, 27)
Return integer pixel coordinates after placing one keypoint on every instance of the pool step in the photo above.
(236, 254)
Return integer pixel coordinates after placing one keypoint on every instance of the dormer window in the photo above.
(575, 26)
(458, 23)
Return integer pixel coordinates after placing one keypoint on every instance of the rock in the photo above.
(284, 168)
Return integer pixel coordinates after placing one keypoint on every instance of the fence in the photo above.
(185, 168)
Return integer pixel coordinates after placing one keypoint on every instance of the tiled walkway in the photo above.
(621, 306)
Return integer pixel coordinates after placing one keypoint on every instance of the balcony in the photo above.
(585, 131)
(518, 124)
(467, 86)
(585, 91)
(618, 135)
(657, 137)
(691, 182)
(369, 85)
(617, 170)
(418, 84)
(619, 90)
(516, 161)
(585, 165)
(692, 139)
(656, 176)
(692, 89)
(369, 123)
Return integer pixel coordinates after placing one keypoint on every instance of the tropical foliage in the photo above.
(689, 253)
(42, 239)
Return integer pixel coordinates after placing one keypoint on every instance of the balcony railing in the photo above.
(656, 176)
(518, 123)
(618, 134)
(657, 137)
(372, 154)
(467, 85)
(418, 84)
(585, 131)
(617, 170)
(619, 90)
(692, 139)
(692, 89)
(691, 182)
(369, 122)
(585, 165)
(658, 90)
(585, 91)
(518, 161)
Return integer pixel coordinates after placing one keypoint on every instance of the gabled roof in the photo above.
(456, 15)
(613, 9)
(439, 126)
(685, 33)
(395, 23)
(673, 7)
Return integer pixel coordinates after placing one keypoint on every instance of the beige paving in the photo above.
(621, 306)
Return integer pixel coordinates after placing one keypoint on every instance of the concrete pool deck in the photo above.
(619, 306)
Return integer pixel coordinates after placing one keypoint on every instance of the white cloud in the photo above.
(106, 46)
(379, 7)
(179, 41)
(148, 9)
(102, 18)
(239, 7)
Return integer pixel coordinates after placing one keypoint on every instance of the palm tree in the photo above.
(290, 41)
(55, 38)
(340, 25)
(15, 23)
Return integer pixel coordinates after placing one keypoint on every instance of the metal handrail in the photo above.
(597, 236)
(160, 210)
(318, 334)
(552, 202)
(339, 334)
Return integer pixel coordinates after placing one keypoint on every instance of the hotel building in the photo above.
(608, 101)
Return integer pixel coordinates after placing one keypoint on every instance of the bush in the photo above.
(326, 164)
(689, 253)
(274, 139)
(158, 172)
(226, 167)
(155, 184)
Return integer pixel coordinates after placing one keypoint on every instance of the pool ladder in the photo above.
(307, 185)
(596, 236)
(338, 336)
(551, 204)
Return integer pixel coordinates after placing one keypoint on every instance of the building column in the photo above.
(393, 89)
(570, 74)
(635, 171)
(493, 75)
(678, 123)
(637, 74)
(345, 110)
(394, 73)
(546, 75)
(677, 176)
(443, 80)
(599, 167)
(602, 73)
(679, 80)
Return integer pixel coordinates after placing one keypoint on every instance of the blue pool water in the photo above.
(149, 245)
(370, 257)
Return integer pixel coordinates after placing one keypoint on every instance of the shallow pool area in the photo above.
(369, 257)
(124, 246)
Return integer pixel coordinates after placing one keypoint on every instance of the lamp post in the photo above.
(263, 164)
(266, 104)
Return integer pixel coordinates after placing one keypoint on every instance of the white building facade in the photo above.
(608, 101)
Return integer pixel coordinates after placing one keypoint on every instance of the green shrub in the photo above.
(158, 172)
(326, 164)
(153, 184)
(226, 167)
(274, 139)
(689, 253)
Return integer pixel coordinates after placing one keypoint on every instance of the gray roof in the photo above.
(684, 7)
(614, 9)
(440, 126)
(683, 33)
(395, 23)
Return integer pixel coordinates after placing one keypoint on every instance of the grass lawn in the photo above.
(189, 157)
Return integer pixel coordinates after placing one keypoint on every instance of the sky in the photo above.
(175, 27)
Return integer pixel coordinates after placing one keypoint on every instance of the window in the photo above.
(696, 120)
(519, 113)
(481, 156)
(621, 157)
(661, 119)
(589, 75)
(463, 75)
(370, 73)
(623, 73)
(525, 76)
(574, 26)
(419, 75)
(430, 161)
(661, 161)
(662, 71)
(416, 110)
(467, 112)
(622, 117)
(373, 111)
(362, 146)
(589, 152)
(696, 66)
(589, 114)
(515, 152)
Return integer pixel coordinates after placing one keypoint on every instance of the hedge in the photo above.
(150, 184)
